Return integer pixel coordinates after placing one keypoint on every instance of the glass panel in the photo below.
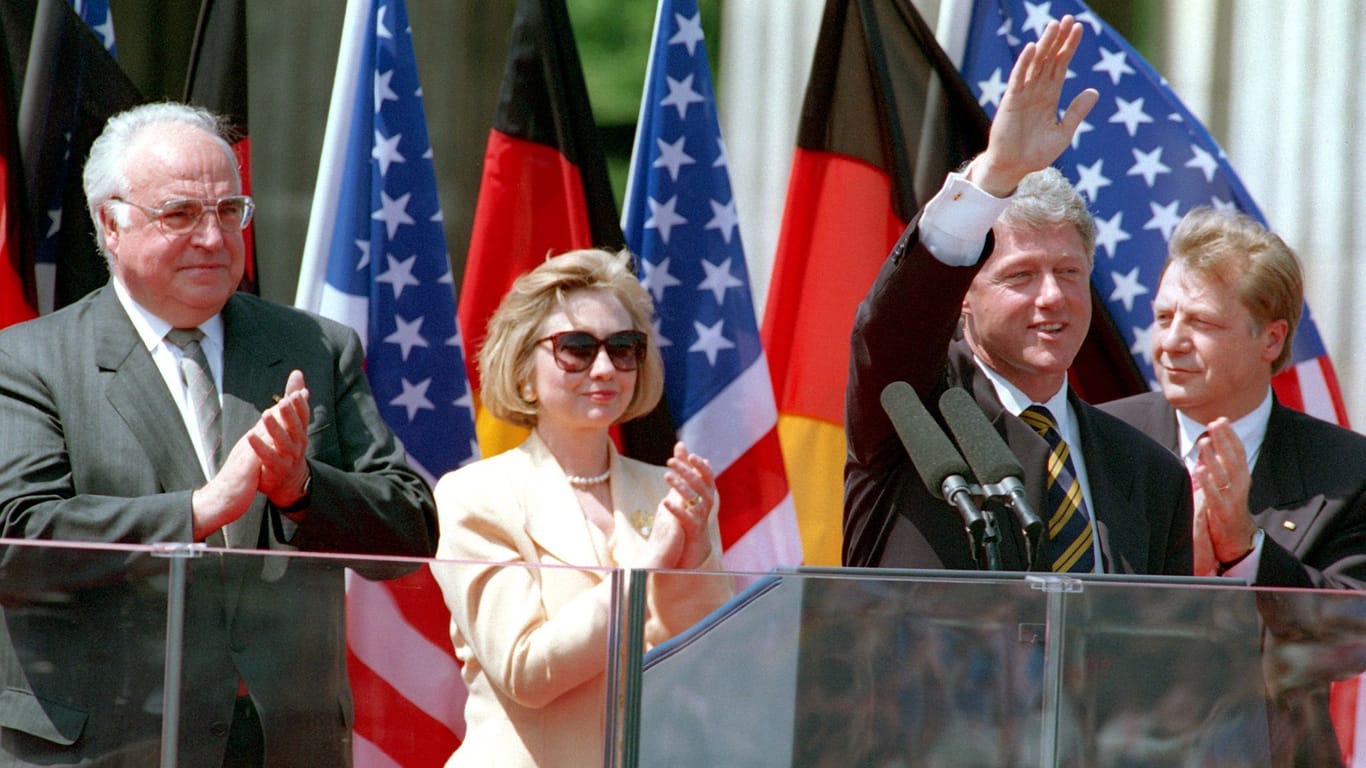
(82, 653)
(807, 668)
(541, 648)
(860, 667)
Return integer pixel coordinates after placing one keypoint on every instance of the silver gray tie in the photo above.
(198, 380)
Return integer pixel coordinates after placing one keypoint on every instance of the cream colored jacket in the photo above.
(533, 641)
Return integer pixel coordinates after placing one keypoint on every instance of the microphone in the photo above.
(940, 466)
(992, 461)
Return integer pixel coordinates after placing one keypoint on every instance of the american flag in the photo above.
(96, 14)
(376, 258)
(55, 196)
(1142, 161)
(680, 219)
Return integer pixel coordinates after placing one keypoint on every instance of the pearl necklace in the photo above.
(588, 482)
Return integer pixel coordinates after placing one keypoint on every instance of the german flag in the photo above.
(217, 81)
(885, 118)
(18, 297)
(544, 188)
(68, 86)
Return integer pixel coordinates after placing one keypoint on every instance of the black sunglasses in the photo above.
(575, 351)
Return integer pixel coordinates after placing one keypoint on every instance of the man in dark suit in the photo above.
(989, 290)
(1280, 496)
(116, 431)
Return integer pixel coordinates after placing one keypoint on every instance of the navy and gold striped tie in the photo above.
(1069, 526)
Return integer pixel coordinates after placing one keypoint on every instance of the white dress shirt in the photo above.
(1251, 430)
(152, 330)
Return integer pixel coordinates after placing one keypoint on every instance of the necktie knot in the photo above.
(1040, 419)
(184, 338)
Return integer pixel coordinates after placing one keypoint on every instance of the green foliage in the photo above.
(613, 37)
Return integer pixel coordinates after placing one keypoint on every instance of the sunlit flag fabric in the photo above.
(375, 258)
(544, 188)
(1142, 161)
(885, 118)
(680, 219)
(70, 86)
(217, 81)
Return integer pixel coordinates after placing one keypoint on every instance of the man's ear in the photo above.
(109, 226)
(1273, 339)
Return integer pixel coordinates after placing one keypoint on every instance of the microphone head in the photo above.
(986, 452)
(931, 452)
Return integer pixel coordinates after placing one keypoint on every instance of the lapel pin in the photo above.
(1289, 525)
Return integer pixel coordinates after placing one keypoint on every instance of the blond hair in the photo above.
(1232, 248)
(506, 358)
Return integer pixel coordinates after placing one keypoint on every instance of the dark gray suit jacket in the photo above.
(94, 450)
(904, 331)
(1309, 494)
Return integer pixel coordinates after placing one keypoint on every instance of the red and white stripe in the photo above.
(405, 681)
(738, 433)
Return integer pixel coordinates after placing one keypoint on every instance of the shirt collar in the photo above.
(1014, 399)
(1250, 429)
(152, 329)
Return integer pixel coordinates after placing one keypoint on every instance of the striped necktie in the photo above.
(1069, 526)
(198, 380)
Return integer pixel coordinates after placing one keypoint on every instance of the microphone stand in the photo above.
(1031, 527)
(983, 533)
(991, 541)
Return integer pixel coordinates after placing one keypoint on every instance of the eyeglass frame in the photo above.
(641, 346)
(206, 203)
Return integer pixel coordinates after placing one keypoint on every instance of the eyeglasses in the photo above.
(181, 216)
(575, 351)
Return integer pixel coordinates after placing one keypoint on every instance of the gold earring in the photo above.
(528, 394)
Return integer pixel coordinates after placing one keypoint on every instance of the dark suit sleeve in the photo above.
(1309, 495)
(363, 498)
(901, 332)
(45, 495)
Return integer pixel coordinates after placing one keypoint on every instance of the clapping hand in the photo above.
(280, 440)
(678, 536)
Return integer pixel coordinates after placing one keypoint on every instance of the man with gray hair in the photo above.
(989, 290)
(166, 407)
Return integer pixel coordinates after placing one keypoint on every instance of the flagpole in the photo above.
(636, 147)
(317, 243)
(951, 31)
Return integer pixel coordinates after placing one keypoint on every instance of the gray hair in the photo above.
(105, 175)
(1046, 198)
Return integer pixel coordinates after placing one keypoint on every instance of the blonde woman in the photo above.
(569, 353)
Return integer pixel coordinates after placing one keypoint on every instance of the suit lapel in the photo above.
(553, 518)
(1278, 492)
(137, 392)
(1121, 528)
(252, 376)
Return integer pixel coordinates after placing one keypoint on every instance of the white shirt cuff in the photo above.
(956, 221)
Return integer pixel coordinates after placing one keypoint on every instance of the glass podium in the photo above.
(805, 667)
